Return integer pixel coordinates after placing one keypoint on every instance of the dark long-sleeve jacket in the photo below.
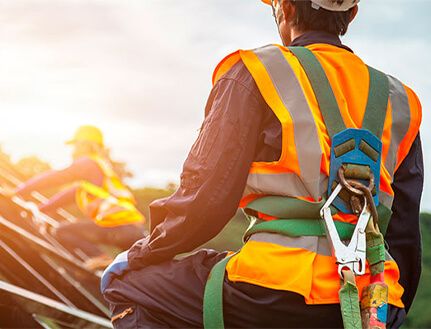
(240, 128)
(83, 168)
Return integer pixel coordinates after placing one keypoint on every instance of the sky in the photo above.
(141, 71)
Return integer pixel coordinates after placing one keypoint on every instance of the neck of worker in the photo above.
(311, 37)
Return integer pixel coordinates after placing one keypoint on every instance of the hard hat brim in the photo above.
(87, 134)
(74, 141)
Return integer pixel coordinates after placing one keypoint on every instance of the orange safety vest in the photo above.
(304, 264)
(110, 205)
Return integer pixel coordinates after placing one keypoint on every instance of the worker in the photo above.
(264, 134)
(109, 206)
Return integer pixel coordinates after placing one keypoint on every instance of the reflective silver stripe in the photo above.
(400, 121)
(288, 184)
(316, 244)
(386, 199)
(306, 137)
(388, 256)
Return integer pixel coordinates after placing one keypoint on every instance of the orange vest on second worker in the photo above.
(110, 205)
(304, 264)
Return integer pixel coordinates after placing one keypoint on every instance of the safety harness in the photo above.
(353, 188)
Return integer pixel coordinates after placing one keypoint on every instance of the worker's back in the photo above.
(303, 168)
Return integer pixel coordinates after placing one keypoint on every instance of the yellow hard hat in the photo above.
(89, 134)
(328, 4)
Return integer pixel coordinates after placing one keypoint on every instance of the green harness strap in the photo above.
(290, 208)
(322, 90)
(377, 104)
(378, 95)
(283, 207)
(349, 302)
(213, 296)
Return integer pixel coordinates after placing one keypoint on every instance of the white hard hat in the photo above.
(334, 5)
(331, 5)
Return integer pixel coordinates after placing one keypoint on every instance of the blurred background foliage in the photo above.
(420, 313)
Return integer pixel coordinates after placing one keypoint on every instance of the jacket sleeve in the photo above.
(60, 199)
(82, 169)
(213, 177)
(403, 235)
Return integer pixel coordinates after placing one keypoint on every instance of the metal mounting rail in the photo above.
(41, 300)
(46, 246)
(37, 275)
(77, 285)
(39, 197)
(62, 272)
(40, 219)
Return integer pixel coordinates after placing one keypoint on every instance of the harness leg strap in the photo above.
(213, 296)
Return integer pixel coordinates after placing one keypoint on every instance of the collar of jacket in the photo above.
(311, 37)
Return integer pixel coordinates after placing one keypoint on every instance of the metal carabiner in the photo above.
(353, 255)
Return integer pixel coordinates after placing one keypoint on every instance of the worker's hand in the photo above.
(117, 268)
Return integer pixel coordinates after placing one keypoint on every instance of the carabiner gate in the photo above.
(353, 255)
